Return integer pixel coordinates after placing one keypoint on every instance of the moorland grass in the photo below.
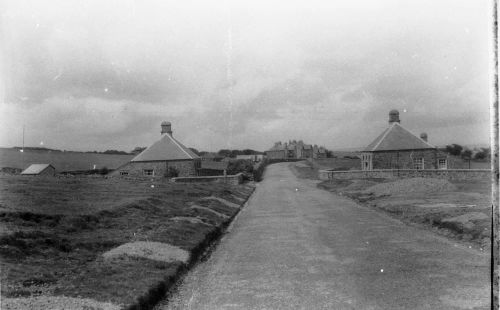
(60, 227)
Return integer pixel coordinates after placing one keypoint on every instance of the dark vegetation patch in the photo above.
(58, 228)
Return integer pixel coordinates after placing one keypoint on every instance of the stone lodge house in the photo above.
(398, 148)
(163, 156)
(295, 150)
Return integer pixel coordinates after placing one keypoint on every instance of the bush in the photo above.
(454, 149)
(240, 165)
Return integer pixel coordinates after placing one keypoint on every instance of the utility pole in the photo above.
(22, 151)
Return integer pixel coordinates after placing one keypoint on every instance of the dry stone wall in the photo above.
(450, 174)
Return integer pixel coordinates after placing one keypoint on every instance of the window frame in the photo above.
(419, 163)
(146, 172)
(443, 166)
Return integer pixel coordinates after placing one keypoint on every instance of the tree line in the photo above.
(466, 153)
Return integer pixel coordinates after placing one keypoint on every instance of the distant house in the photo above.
(319, 152)
(295, 150)
(40, 169)
(162, 158)
(255, 158)
(276, 152)
(397, 148)
(212, 157)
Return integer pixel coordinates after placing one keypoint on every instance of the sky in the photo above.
(98, 75)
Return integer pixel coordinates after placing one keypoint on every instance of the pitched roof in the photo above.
(396, 137)
(36, 168)
(167, 148)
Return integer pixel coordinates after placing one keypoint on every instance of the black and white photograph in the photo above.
(302, 154)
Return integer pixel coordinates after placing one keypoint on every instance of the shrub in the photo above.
(240, 165)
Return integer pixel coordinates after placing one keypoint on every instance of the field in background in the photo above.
(55, 230)
(62, 161)
(458, 209)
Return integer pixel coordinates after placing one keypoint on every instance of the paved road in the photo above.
(298, 247)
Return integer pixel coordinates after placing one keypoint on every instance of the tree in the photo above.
(466, 154)
(224, 153)
(138, 149)
(483, 154)
(454, 149)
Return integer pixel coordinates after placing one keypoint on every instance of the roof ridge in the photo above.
(177, 143)
(385, 135)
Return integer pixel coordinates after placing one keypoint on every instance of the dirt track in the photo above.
(298, 247)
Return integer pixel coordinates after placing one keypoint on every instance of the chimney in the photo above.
(166, 127)
(423, 136)
(394, 117)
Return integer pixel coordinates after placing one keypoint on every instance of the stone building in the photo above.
(295, 150)
(164, 158)
(276, 152)
(398, 148)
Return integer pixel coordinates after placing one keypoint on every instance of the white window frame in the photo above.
(442, 164)
(148, 172)
(366, 161)
(419, 163)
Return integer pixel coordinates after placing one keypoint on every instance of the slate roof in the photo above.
(396, 137)
(36, 168)
(167, 148)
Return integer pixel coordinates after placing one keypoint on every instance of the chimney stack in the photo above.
(166, 127)
(394, 117)
(423, 136)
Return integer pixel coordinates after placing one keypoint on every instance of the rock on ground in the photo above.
(151, 250)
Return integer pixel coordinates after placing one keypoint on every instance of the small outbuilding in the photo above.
(167, 157)
(40, 169)
(398, 148)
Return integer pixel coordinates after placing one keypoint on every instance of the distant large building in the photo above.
(295, 150)
(397, 148)
(162, 158)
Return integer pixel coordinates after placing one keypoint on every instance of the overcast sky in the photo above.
(97, 75)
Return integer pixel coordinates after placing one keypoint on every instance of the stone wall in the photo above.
(451, 174)
(275, 154)
(185, 168)
(404, 159)
(230, 179)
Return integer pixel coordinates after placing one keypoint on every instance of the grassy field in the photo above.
(460, 210)
(62, 161)
(55, 230)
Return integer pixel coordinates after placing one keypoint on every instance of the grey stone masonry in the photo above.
(186, 168)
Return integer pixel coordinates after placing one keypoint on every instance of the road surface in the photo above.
(295, 246)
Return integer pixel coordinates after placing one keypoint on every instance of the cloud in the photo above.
(243, 74)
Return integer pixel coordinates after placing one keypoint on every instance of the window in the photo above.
(123, 172)
(442, 164)
(418, 163)
(148, 172)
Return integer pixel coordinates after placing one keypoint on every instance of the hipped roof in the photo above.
(167, 148)
(396, 137)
